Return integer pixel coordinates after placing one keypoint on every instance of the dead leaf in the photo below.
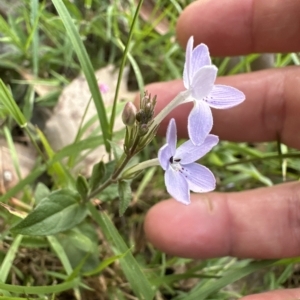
(61, 129)
(13, 211)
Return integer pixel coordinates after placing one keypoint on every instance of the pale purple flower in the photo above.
(199, 76)
(182, 174)
(104, 88)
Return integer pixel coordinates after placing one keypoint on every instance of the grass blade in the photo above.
(60, 252)
(137, 279)
(29, 179)
(229, 277)
(126, 50)
(45, 289)
(35, 41)
(9, 258)
(87, 69)
(9, 103)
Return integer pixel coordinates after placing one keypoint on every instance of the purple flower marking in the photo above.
(182, 174)
(199, 76)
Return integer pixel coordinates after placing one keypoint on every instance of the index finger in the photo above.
(234, 27)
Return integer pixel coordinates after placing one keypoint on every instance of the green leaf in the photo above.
(137, 279)
(104, 264)
(58, 212)
(60, 252)
(6, 264)
(98, 174)
(109, 168)
(41, 192)
(213, 286)
(144, 182)
(87, 68)
(13, 151)
(57, 169)
(109, 194)
(9, 103)
(44, 289)
(117, 150)
(82, 186)
(80, 245)
(7, 31)
(33, 38)
(18, 298)
(125, 195)
(125, 55)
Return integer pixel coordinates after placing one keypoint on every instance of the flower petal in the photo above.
(164, 155)
(203, 82)
(200, 122)
(171, 136)
(200, 58)
(177, 186)
(200, 179)
(223, 96)
(189, 152)
(187, 78)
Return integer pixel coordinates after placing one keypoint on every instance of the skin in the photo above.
(261, 223)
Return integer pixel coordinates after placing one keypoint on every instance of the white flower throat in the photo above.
(175, 164)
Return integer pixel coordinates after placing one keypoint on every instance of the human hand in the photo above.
(261, 223)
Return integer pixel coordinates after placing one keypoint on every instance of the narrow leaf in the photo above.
(98, 174)
(57, 169)
(103, 265)
(125, 196)
(137, 279)
(86, 67)
(9, 103)
(6, 264)
(229, 277)
(82, 186)
(61, 254)
(45, 289)
(124, 58)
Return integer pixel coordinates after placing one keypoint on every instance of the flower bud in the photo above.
(129, 114)
(143, 129)
(146, 112)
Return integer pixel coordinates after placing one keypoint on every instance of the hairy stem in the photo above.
(118, 170)
(179, 99)
(141, 166)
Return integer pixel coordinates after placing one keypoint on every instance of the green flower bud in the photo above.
(129, 114)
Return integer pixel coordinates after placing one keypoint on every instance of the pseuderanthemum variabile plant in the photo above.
(182, 174)
(199, 76)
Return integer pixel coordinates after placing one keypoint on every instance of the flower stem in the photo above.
(179, 99)
(126, 157)
(141, 166)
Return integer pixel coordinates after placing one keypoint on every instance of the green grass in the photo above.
(106, 255)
